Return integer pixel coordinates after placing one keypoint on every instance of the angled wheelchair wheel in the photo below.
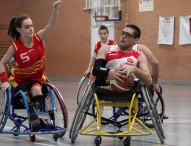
(58, 112)
(5, 103)
(160, 108)
(152, 112)
(158, 101)
(156, 114)
(81, 113)
(82, 87)
(159, 105)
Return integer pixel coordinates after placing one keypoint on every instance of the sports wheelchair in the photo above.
(54, 113)
(132, 125)
(116, 112)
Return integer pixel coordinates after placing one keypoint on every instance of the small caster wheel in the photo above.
(120, 138)
(97, 141)
(127, 141)
(72, 141)
(119, 132)
(32, 138)
(16, 134)
(55, 136)
(60, 135)
(19, 121)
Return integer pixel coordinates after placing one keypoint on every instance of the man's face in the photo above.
(103, 35)
(127, 38)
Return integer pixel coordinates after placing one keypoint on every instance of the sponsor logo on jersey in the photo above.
(129, 61)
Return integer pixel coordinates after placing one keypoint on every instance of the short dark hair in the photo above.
(16, 22)
(103, 27)
(136, 30)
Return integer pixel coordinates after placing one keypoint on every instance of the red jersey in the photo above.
(29, 62)
(98, 45)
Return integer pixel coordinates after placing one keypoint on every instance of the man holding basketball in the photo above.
(118, 62)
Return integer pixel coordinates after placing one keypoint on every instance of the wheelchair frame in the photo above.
(82, 112)
(157, 97)
(116, 112)
(53, 104)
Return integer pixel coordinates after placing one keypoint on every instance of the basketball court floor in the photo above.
(177, 127)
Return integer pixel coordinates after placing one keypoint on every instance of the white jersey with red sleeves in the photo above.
(116, 57)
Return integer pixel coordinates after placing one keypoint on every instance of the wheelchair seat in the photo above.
(17, 99)
(107, 95)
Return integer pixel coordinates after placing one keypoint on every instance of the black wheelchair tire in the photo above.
(151, 108)
(63, 109)
(80, 114)
(81, 88)
(5, 112)
(156, 103)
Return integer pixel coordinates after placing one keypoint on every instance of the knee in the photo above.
(36, 90)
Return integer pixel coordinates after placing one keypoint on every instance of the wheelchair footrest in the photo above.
(34, 121)
(44, 115)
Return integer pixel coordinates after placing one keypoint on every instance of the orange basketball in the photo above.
(123, 86)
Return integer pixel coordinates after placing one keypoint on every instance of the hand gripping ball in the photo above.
(124, 86)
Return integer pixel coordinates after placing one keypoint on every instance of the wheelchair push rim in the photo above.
(151, 108)
(81, 89)
(158, 102)
(81, 113)
(5, 102)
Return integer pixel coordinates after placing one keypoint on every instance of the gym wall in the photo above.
(68, 49)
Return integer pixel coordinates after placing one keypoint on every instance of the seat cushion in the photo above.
(107, 95)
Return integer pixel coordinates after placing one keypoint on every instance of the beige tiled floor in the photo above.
(177, 127)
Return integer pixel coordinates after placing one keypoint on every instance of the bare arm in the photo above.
(10, 53)
(90, 65)
(141, 72)
(102, 52)
(154, 63)
(101, 55)
(52, 23)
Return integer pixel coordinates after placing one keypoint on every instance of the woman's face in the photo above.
(27, 29)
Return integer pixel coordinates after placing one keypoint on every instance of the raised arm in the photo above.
(52, 23)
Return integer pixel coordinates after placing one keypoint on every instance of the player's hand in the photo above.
(125, 69)
(116, 75)
(57, 3)
(87, 73)
(5, 86)
(156, 87)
